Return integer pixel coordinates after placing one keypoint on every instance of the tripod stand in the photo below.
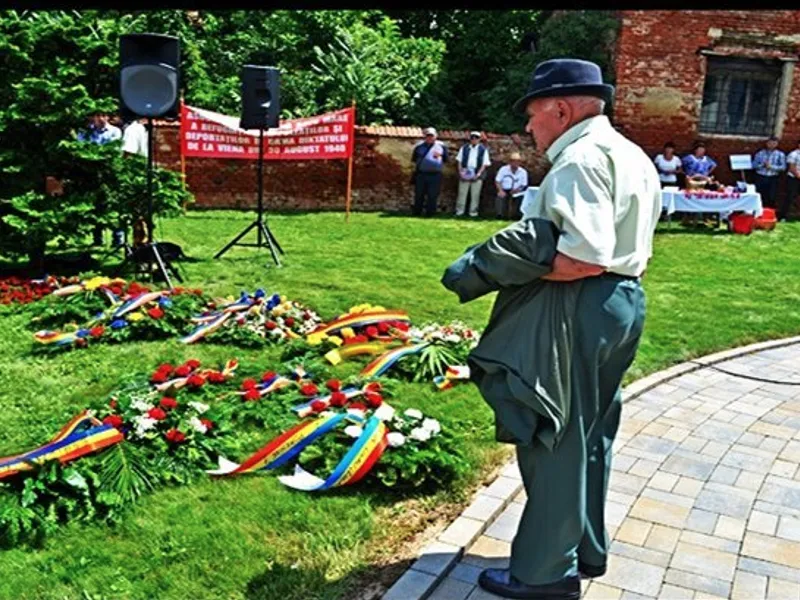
(149, 250)
(262, 228)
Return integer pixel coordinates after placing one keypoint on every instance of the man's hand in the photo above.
(570, 269)
(501, 194)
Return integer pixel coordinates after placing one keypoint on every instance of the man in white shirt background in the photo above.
(473, 160)
(792, 183)
(134, 138)
(510, 181)
(668, 165)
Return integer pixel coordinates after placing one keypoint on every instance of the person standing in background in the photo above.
(769, 163)
(792, 183)
(668, 166)
(473, 160)
(428, 157)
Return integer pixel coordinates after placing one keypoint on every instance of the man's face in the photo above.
(700, 151)
(430, 138)
(514, 164)
(669, 151)
(545, 123)
(474, 140)
(99, 121)
(772, 144)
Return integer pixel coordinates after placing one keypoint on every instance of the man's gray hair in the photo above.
(589, 103)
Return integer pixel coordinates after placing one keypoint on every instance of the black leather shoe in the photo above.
(503, 583)
(591, 571)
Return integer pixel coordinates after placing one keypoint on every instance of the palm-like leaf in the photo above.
(123, 472)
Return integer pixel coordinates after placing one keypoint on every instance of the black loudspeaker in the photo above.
(149, 73)
(261, 97)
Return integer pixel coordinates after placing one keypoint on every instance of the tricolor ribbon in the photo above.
(358, 461)
(278, 382)
(137, 302)
(83, 435)
(451, 375)
(359, 320)
(206, 328)
(387, 360)
(337, 355)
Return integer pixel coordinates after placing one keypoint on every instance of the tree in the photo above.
(58, 68)
(384, 73)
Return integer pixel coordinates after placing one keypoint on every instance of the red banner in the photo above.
(208, 134)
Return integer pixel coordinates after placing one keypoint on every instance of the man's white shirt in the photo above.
(510, 180)
(134, 139)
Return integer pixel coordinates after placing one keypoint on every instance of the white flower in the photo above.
(413, 413)
(384, 412)
(452, 338)
(143, 424)
(197, 425)
(199, 407)
(395, 439)
(354, 431)
(141, 405)
(420, 434)
(432, 425)
(356, 412)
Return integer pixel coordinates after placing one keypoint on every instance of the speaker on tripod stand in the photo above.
(149, 75)
(260, 109)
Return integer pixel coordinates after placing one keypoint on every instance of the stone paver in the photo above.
(703, 501)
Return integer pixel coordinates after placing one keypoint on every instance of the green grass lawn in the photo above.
(253, 538)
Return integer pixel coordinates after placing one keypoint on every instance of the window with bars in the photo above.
(740, 96)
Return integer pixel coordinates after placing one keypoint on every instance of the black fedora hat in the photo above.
(566, 77)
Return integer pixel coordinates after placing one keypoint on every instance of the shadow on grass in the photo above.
(284, 582)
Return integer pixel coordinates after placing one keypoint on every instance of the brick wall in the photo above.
(660, 75)
(381, 173)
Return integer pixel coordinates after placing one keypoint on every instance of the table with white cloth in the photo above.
(677, 201)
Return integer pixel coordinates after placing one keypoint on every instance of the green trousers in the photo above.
(563, 520)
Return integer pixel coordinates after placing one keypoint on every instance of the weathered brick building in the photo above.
(726, 77)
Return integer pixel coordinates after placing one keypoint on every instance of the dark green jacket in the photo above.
(522, 363)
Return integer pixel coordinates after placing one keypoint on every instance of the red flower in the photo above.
(196, 381)
(192, 363)
(155, 312)
(113, 404)
(113, 420)
(116, 290)
(318, 406)
(289, 321)
(309, 389)
(306, 315)
(174, 436)
(251, 395)
(97, 331)
(383, 327)
(374, 399)
(358, 406)
(249, 384)
(208, 423)
(401, 325)
(269, 376)
(215, 377)
(270, 325)
(157, 414)
(166, 368)
(183, 371)
(158, 377)
(375, 386)
(168, 403)
(338, 399)
(334, 385)
(372, 331)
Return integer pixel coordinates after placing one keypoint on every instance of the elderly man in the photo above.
(428, 157)
(769, 163)
(473, 160)
(565, 327)
(511, 181)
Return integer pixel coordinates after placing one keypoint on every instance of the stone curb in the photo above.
(440, 556)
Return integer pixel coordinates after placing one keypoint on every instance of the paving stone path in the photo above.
(704, 498)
